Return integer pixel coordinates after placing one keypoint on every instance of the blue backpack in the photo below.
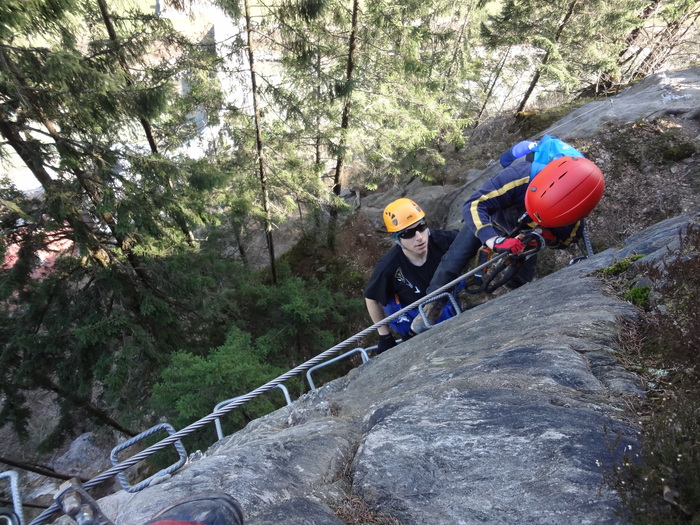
(543, 152)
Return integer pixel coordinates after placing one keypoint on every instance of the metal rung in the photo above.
(169, 470)
(217, 421)
(361, 351)
(127, 463)
(16, 499)
(447, 295)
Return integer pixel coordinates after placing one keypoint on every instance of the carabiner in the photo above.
(533, 242)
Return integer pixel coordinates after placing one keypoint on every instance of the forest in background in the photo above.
(132, 292)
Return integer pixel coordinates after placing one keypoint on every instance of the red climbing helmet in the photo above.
(565, 191)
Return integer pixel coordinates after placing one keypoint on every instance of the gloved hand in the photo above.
(508, 244)
(386, 341)
(547, 235)
(551, 240)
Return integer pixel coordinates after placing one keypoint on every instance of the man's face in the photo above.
(415, 238)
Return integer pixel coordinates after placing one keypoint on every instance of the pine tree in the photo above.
(317, 131)
(84, 105)
(414, 63)
(572, 40)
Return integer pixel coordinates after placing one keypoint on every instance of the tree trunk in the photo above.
(259, 143)
(666, 41)
(648, 12)
(38, 469)
(317, 142)
(557, 37)
(12, 135)
(627, 58)
(458, 44)
(95, 412)
(317, 207)
(345, 124)
(607, 83)
(496, 76)
(10, 131)
(535, 80)
(239, 242)
(104, 11)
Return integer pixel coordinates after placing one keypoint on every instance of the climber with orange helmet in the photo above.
(402, 276)
(552, 202)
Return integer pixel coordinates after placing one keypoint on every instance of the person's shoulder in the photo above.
(509, 178)
(443, 234)
(517, 170)
(443, 238)
(389, 259)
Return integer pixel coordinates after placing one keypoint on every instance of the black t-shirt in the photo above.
(396, 275)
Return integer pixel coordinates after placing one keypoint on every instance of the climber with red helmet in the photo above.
(404, 273)
(553, 202)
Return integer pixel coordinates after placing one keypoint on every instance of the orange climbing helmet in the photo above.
(565, 191)
(400, 214)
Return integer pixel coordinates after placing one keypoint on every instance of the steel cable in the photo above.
(139, 456)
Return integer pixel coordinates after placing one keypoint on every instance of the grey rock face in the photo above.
(670, 92)
(85, 457)
(508, 413)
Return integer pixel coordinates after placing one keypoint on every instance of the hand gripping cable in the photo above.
(498, 270)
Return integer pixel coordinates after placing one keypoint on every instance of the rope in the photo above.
(117, 469)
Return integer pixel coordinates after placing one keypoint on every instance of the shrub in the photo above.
(639, 295)
(619, 267)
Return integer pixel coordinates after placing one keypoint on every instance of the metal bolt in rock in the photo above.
(79, 505)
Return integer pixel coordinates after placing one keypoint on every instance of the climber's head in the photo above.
(565, 191)
(405, 220)
(401, 214)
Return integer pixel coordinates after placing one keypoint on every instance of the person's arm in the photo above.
(502, 191)
(376, 312)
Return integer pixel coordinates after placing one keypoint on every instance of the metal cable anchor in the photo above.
(75, 502)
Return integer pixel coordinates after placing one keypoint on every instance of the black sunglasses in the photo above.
(409, 233)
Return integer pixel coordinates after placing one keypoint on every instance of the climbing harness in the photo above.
(587, 249)
(449, 296)
(498, 271)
